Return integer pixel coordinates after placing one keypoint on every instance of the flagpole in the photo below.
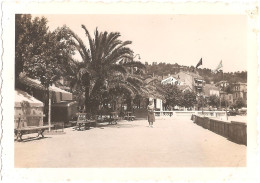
(224, 97)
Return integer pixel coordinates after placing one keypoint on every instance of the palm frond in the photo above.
(91, 42)
(116, 56)
(137, 64)
(117, 68)
(80, 45)
(134, 80)
(110, 39)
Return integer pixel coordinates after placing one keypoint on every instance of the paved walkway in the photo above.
(173, 142)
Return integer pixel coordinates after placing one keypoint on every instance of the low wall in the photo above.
(189, 113)
(234, 131)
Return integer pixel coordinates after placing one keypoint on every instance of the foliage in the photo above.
(239, 103)
(39, 53)
(163, 69)
(103, 73)
(173, 95)
(188, 99)
(29, 38)
(224, 102)
(213, 101)
(201, 101)
(228, 89)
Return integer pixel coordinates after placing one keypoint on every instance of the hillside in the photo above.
(163, 69)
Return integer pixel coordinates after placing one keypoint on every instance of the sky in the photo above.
(182, 39)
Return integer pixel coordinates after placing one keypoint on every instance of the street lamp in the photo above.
(138, 56)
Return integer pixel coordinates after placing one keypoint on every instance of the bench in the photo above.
(82, 121)
(23, 126)
(113, 118)
(129, 116)
(24, 130)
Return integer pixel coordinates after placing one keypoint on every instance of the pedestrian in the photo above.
(151, 118)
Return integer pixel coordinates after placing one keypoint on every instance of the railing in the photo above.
(189, 113)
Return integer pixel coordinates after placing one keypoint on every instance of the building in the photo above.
(193, 80)
(170, 80)
(222, 85)
(224, 96)
(239, 90)
(211, 89)
(26, 105)
(35, 89)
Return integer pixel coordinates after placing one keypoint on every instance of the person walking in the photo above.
(151, 118)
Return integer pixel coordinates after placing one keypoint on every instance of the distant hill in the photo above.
(164, 69)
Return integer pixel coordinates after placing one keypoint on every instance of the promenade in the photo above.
(173, 142)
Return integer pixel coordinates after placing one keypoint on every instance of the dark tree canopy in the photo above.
(39, 53)
(214, 101)
(103, 71)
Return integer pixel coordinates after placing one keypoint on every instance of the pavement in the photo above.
(173, 142)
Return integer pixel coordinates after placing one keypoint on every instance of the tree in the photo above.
(173, 95)
(228, 89)
(213, 101)
(239, 103)
(188, 99)
(29, 37)
(39, 53)
(224, 102)
(201, 101)
(102, 68)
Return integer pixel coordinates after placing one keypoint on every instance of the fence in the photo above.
(234, 131)
(189, 113)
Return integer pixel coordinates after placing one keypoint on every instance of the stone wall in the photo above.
(233, 131)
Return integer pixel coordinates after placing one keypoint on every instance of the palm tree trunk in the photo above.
(87, 100)
(87, 97)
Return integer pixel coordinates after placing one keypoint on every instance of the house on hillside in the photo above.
(227, 97)
(239, 90)
(211, 89)
(222, 85)
(193, 80)
(170, 80)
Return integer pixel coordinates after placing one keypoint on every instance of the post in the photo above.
(226, 110)
(49, 111)
(202, 105)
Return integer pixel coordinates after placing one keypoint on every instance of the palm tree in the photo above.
(102, 68)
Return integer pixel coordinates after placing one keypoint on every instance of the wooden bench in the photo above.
(114, 118)
(82, 121)
(22, 127)
(24, 130)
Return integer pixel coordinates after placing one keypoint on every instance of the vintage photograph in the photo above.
(130, 91)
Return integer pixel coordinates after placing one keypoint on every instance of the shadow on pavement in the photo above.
(122, 124)
(29, 139)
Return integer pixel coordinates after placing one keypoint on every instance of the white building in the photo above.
(170, 80)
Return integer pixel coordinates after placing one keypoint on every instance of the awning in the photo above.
(59, 93)
(23, 97)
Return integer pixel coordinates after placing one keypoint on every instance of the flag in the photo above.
(199, 63)
(218, 67)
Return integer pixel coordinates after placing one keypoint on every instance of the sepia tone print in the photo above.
(130, 91)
